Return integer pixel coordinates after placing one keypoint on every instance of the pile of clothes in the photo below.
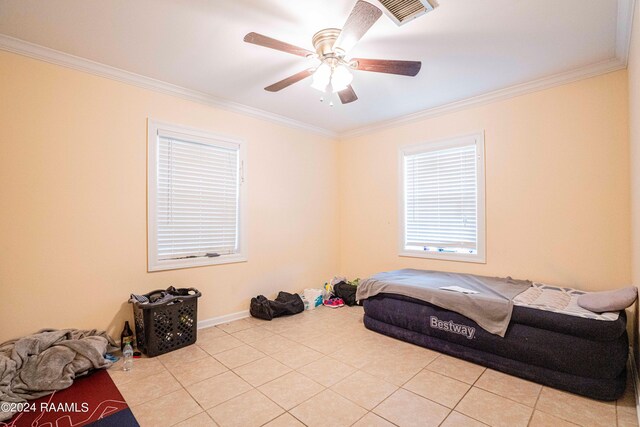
(336, 293)
(341, 291)
(162, 296)
(39, 364)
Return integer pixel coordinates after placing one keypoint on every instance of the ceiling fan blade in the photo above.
(347, 95)
(265, 41)
(362, 17)
(289, 81)
(389, 66)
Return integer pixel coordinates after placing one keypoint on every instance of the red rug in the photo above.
(91, 400)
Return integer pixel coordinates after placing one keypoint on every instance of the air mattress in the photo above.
(580, 355)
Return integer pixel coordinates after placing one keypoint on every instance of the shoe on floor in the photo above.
(334, 302)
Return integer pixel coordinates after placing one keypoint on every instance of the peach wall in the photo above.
(73, 191)
(557, 187)
(634, 128)
(73, 202)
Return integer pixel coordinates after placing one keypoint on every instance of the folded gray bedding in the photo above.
(490, 307)
(39, 364)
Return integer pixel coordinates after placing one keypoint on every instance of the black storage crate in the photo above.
(169, 324)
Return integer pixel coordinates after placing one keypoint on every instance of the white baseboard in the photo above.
(207, 323)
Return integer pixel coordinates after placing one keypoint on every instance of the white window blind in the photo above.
(441, 198)
(195, 201)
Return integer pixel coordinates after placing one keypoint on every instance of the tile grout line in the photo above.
(507, 397)
(425, 368)
(280, 376)
(384, 400)
(297, 419)
(402, 387)
(499, 396)
(224, 401)
(286, 411)
(573, 421)
(228, 370)
(367, 411)
(356, 403)
(275, 379)
(153, 398)
(187, 391)
(422, 369)
(365, 414)
(378, 415)
(251, 385)
(535, 405)
(324, 388)
(256, 389)
(465, 394)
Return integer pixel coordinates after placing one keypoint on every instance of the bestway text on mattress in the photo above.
(450, 326)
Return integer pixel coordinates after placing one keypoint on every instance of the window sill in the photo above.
(195, 262)
(477, 258)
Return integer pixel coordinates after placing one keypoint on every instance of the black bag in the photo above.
(345, 291)
(260, 308)
(285, 304)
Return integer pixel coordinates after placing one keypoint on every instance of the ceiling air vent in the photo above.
(403, 11)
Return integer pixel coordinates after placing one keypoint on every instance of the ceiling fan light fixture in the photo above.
(333, 79)
(321, 77)
(341, 78)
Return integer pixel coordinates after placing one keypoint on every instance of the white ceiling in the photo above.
(467, 47)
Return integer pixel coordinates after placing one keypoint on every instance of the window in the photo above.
(442, 202)
(195, 186)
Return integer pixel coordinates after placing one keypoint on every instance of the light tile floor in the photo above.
(324, 368)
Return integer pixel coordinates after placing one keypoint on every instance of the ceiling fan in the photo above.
(333, 75)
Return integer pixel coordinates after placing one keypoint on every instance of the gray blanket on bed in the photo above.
(490, 308)
(47, 361)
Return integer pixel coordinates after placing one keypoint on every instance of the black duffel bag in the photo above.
(260, 308)
(345, 291)
(285, 304)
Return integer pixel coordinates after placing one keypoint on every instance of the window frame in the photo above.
(434, 145)
(154, 127)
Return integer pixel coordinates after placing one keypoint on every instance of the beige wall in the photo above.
(73, 202)
(73, 192)
(634, 127)
(557, 187)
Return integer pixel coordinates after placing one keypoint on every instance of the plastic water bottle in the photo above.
(127, 353)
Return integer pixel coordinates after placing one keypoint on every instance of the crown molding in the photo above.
(624, 29)
(623, 41)
(494, 96)
(56, 57)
